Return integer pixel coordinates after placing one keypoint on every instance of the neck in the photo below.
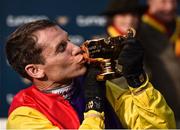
(48, 85)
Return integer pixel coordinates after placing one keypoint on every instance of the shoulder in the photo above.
(26, 117)
(24, 91)
(20, 97)
(26, 112)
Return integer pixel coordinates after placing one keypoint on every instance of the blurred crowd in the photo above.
(158, 28)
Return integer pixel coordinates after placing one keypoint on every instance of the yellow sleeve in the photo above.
(28, 118)
(140, 108)
(31, 119)
(93, 120)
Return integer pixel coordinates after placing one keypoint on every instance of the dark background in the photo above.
(81, 20)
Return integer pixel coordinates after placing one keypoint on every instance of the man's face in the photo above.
(165, 10)
(63, 60)
(124, 21)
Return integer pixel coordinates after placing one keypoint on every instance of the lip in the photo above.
(81, 60)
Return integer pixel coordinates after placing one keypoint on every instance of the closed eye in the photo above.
(61, 47)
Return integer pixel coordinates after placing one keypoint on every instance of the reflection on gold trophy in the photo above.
(104, 52)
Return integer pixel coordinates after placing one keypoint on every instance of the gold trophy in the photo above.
(104, 52)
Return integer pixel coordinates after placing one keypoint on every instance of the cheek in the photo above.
(55, 65)
(76, 70)
(63, 68)
(72, 67)
(56, 71)
(67, 64)
(63, 61)
(119, 21)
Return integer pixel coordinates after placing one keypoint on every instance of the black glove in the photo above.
(131, 59)
(94, 90)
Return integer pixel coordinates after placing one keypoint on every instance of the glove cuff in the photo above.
(136, 80)
(95, 103)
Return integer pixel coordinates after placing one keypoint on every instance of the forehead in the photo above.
(49, 35)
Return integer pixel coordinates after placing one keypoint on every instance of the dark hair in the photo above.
(21, 46)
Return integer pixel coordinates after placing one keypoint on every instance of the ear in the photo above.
(35, 71)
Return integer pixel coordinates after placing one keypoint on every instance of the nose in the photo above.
(75, 50)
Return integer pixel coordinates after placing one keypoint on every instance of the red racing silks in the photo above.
(53, 106)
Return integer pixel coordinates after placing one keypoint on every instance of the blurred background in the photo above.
(81, 18)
